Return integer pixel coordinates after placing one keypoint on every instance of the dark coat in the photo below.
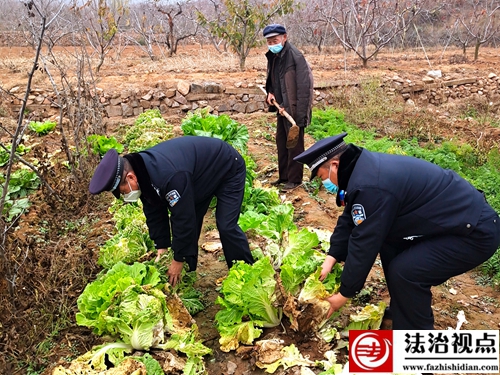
(397, 200)
(296, 83)
(184, 171)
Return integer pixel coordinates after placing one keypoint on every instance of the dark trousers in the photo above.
(229, 198)
(288, 169)
(410, 273)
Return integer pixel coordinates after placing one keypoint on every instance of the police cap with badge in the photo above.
(108, 174)
(321, 151)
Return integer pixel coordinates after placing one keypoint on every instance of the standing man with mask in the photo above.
(181, 176)
(290, 83)
(427, 223)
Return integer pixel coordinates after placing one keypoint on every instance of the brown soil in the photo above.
(55, 246)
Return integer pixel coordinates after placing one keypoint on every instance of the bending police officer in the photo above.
(428, 224)
(181, 176)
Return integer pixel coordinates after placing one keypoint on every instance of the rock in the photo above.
(183, 87)
(213, 87)
(114, 110)
(196, 88)
(231, 367)
(159, 95)
(14, 90)
(435, 73)
(427, 79)
(410, 103)
(180, 99)
(145, 104)
(127, 110)
(126, 94)
(492, 75)
(115, 101)
(224, 108)
(252, 107)
(240, 107)
(170, 93)
(398, 79)
(148, 96)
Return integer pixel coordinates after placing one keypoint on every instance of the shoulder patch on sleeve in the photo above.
(358, 214)
(172, 197)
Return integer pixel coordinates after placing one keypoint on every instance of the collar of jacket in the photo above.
(347, 162)
(139, 167)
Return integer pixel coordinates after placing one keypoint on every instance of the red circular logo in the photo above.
(370, 351)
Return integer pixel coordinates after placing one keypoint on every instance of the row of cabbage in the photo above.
(135, 310)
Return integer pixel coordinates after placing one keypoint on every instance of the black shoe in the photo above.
(279, 181)
(289, 186)
(387, 313)
(386, 323)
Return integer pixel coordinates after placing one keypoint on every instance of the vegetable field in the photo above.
(91, 299)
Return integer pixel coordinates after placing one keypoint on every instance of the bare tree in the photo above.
(72, 77)
(314, 29)
(179, 25)
(366, 26)
(99, 21)
(478, 18)
(211, 10)
(11, 12)
(10, 267)
(144, 28)
(240, 22)
(431, 24)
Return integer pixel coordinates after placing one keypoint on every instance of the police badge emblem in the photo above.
(172, 197)
(358, 214)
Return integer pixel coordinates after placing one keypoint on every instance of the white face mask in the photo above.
(132, 196)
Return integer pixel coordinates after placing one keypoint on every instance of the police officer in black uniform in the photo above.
(181, 176)
(427, 223)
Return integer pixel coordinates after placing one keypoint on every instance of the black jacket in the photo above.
(396, 200)
(184, 172)
(295, 83)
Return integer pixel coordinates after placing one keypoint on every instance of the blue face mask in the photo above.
(329, 185)
(275, 48)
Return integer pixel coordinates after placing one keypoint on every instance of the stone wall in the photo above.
(439, 90)
(186, 96)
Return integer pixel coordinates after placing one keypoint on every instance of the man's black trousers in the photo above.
(410, 273)
(229, 196)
